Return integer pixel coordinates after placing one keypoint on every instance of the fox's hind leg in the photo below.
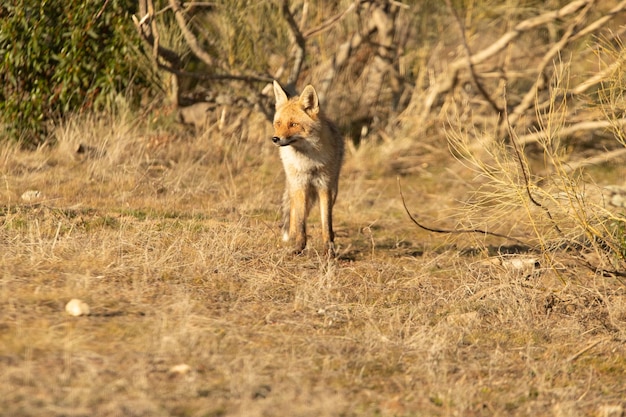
(326, 200)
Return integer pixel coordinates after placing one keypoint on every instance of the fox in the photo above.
(311, 149)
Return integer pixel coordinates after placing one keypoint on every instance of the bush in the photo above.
(61, 57)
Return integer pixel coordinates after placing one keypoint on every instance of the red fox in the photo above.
(311, 149)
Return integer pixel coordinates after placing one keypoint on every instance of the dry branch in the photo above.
(382, 22)
(330, 22)
(190, 38)
(447, 81)
(148, 31)
(569, 130)
(146, 27)
(526, 25)
(340, 59)
(300, 44)
(453, 231)
(470, 66)
(602, 21)
(604, 157)
(531, 94)
(599, 77)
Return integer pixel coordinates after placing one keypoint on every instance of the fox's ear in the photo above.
(279, 93)
(308, 99)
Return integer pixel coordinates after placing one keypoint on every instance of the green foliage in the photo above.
(61, 57)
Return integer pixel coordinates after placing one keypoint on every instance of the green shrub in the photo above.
(60, 57)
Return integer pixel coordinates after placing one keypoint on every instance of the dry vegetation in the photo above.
(172, 239)
(196, 310)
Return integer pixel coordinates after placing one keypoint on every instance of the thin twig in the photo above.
(524, 167)
(585, 349)
(453, 231)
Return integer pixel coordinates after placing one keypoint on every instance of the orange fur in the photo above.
(311, 149)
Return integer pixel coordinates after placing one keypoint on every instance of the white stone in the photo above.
(76, 307)
(32, 195)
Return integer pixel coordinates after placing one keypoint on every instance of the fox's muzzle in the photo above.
(283, 142)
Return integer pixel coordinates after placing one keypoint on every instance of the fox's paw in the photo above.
(298, 248)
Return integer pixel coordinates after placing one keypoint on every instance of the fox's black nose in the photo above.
(275, 139)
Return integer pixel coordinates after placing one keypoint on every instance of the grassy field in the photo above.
(196, 309)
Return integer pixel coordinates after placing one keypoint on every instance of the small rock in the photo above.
(520, 263)
(76, 307)
(618, 200)
(32, 195)
(616, 195)
(180, 369)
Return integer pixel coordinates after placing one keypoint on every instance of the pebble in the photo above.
(76, 307)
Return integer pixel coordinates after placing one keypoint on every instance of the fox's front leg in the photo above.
(297, 219)
(326, 214)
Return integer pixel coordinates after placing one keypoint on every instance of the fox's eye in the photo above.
(277, 123)
(293, 124)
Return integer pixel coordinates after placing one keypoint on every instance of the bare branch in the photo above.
(531, 94)
(300, 44)
(190, 38)
(569, 130)
(150, 36)
(602, 21)
(148, 30)
(452, 231)
(528, 24)
(470, 66)
(447, 81)
(330, 22)
(603, 157)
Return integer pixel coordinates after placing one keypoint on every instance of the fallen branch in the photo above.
(453, 231)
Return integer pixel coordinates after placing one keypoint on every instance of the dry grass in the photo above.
(173, 242)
